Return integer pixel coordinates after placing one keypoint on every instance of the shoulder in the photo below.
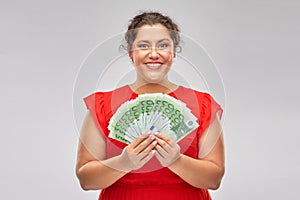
(206, 103)
(201, 96)
(110, 99)
(207, 108)
(102, 95)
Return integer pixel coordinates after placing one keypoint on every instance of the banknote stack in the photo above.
(152, 112)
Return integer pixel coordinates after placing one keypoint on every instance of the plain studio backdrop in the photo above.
(254, 44)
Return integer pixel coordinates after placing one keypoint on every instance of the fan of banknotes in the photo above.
(152, 112)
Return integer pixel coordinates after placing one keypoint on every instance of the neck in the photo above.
(153, 88)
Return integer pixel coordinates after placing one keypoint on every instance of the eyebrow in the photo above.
(147, 41)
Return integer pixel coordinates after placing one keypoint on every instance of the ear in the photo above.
(174, 52)
(130, 56)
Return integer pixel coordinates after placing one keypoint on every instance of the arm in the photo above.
(94, 171)
(205, 172)
(92, 174)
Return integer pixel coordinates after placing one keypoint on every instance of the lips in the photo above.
(154, 66)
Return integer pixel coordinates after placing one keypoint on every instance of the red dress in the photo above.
(152, 181)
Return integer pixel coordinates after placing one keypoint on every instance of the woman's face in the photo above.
(152, 53)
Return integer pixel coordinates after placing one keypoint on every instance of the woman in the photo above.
(153, 166)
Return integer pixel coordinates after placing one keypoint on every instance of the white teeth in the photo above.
(153, 64)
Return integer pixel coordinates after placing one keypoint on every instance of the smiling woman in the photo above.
(152, 54)
(151, 165)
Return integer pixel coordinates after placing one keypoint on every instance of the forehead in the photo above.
(152, 33)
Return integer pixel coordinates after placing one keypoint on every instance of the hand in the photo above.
(140, 151)
(167, 151)
(135, 155)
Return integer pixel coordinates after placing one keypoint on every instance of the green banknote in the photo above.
(154, 112)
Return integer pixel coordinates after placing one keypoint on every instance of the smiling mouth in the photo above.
(154, 66)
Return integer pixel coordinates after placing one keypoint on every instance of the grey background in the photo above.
(255, 45)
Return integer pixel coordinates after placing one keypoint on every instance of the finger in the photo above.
(159, 157)
(140, 139)
(161, 151)
(150, 147)
(162, 136)
(148, 157)
(144, 144)
(165, 138)
(147, 150)
(162, 143)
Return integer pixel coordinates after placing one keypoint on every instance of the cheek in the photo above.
(169, 57)
(137, 57)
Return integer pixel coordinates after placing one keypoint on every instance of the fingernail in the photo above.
(152, 137)
(154, 142)
(156, 133)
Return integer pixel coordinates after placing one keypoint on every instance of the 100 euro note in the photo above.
(181, 120)
(152, 112)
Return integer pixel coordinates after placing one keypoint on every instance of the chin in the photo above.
(154, 80)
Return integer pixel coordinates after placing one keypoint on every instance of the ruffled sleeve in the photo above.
(208, 110)
(95, 104)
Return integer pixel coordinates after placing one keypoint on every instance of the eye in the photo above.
(143, 46)
(163, 45)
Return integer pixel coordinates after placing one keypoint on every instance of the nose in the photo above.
(153, 53)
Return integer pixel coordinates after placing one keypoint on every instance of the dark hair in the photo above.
(151, 18)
